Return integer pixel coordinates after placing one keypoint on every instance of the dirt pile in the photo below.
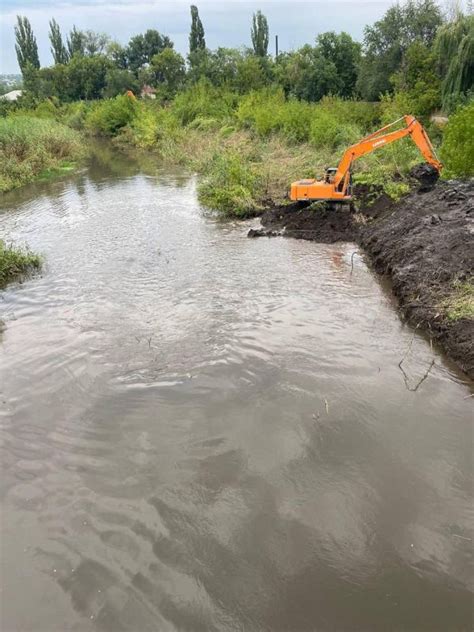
(426, 246)
(424, 243)
(426, 174)
(319, 223)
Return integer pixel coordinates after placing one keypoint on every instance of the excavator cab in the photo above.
(330, 174)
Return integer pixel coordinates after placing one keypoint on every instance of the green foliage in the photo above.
(342, 51)
(260, 111)
(111, 115)
(167, 72)
(15, 261)
(26, 46)
(259, 34)
(119, 81)
(307, 74)
(204, 100)
(58, 49)
(418, 79)
(230, 186)
(329, 131)
(142, 48)
(386, 43)
(196, 35)
(454, 49)
(457, 149)
(30, 145)
(461, 302)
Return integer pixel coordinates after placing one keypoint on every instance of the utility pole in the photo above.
(276, 47)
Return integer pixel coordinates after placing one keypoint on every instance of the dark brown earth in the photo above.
(424, 244)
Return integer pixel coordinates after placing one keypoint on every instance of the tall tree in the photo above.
(142, 48)
(259, 34)
(344, 53)
(454, 48)
(26, 46)
(95, 43)
(196, 36)
(58, 49)
(386, 43)
(76, 42)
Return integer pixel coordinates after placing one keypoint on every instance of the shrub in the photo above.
(327, 131)
(15, 261)
(28, 146)
(457, 149)
(205, 101)
(261, 111)
(110, 116)
(231, 186)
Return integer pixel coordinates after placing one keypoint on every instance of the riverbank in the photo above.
(423, 243)
(35, 148)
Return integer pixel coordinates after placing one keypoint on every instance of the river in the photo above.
(202, 431)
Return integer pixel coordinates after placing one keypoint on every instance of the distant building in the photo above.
(12, 96)
(148, 92)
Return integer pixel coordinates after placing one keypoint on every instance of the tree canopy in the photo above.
(26, 46)
(259, 34)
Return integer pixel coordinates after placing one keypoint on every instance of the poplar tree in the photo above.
(58, 49)
(197, 41)
(76, 42)
(26, 46)
(259, 34)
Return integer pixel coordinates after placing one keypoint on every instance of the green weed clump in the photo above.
(205, 101)
(231, 186)
(457, 149)
(30, 146)
(329, 131)
(461, 303)
(108, 117)
(15, 261)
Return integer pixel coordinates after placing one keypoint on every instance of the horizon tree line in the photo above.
(413, 48)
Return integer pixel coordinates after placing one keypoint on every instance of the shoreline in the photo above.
(424, 244)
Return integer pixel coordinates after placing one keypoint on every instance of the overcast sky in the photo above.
(226, 23)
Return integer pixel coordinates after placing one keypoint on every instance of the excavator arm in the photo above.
(383, 137)
(336, 185)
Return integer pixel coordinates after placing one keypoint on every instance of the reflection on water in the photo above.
(205, 432)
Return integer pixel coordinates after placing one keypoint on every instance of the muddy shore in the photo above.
(423, 243)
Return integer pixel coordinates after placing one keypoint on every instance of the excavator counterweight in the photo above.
(337, 184)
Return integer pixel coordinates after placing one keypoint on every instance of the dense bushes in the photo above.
(29, 146)
(111, 115)
(457, 149)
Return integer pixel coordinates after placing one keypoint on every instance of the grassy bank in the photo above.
(32, 147)
(15, 261)
(247, 148)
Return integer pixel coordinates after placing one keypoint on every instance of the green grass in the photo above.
(32, 147)
(247, 148)
(461, 302)
(15, 261)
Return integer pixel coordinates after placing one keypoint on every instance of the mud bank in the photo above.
(424, 244)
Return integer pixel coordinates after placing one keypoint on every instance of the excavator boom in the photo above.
(336, 185)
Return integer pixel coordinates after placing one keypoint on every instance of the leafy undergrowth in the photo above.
(248, 148)
(30, 147)
(461, 302)
(15, 261)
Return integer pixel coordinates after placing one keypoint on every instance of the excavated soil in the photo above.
(424, 244)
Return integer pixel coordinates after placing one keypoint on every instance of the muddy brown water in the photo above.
(206, 432)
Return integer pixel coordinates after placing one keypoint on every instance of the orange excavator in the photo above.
(337, 183)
